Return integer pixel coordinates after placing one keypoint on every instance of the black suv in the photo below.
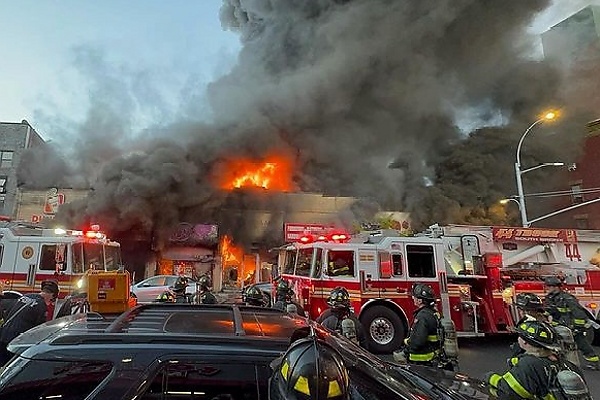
(179, 351)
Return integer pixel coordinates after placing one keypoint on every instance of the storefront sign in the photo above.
(293, 232)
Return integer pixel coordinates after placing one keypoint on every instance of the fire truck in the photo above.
(31, 254)
(476, 272)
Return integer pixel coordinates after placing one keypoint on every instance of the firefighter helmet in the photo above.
(310, 369)
(180, 284)
(204, 283)
(339, 298)
(50, 286)
(529, 302)
(538, 333)
(254, 297)
(553, 281)
(423, 292)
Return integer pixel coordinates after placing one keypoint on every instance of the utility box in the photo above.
(109, 292)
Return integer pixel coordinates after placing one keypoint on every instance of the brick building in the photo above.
(15, 138)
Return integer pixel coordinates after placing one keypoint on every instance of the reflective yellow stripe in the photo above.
(334, 389)
(284, 370)
(494, 379)
(302, 385)
(516, 386)
(592, 358)
(432, 338)
(514, 361)
(421, 357)
(563, 310)
(578, 321)
(549, 396)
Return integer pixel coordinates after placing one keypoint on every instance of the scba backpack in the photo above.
(567, 384)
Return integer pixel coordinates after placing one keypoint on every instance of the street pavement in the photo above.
(480, 355)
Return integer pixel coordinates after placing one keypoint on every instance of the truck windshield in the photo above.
(95, 256)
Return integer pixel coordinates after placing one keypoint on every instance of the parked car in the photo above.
(149, 289)
(178, 351)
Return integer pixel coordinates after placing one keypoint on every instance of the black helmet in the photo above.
(529, 302)
(254, 297)
(204, 282)
(312, 370)
(538, 333)
(553, 281)
(180, 284)
(339, 298)
(50, 286)
(423, 292)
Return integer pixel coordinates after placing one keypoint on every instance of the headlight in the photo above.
(80, 283)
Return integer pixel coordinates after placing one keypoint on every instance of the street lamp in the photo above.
(506, 201)
(548, 116)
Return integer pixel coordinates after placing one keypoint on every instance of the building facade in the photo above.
(15, 139)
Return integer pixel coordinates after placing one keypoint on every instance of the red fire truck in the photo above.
(476, 272)
(30, 254)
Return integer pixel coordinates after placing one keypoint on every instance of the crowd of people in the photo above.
(534, 370)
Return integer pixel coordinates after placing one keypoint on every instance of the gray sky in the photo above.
(53, 52)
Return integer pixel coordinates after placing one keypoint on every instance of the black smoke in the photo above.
(363, 95)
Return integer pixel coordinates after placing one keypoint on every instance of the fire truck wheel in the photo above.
(385, 329)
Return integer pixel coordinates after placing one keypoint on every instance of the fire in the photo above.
(230, 254)
(272, 174)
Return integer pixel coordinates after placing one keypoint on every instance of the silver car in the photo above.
(149, 289)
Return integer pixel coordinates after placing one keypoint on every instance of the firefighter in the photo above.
(309, 370)
(28, 312)
(205, 295)
(534, 376)
(564, 309)
(423, 345)
(179, 290)
(530, 307)
(339, 293)
(284, 298)
(253, 296)
(341, 319)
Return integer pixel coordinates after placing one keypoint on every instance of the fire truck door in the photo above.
(25, 267)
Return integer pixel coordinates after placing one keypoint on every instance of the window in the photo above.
(340, 263)
(304, 262)
(290, 262)
(2, 200)
(6, 158)
(204, 381)
(576, 194)
(318, 263)
(64, 380)
(421, 261)
(53, 255)
(397, 264)
(3, 182)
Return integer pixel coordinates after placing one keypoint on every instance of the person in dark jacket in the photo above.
(564, 309)
(28, 312)
(340, 310)
(337, 292)
(284, 296)
(253, 296)
(205, 295)
(423, 344)
(530, 377)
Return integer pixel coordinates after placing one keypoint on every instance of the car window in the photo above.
(170, 280)
(154, 281)
(178, 379)
(64, 380)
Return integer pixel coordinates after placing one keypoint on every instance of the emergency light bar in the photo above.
(333, 238)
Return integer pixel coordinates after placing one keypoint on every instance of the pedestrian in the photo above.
(341, 319)
(535, 375)
(284, 297)
(29, 311)
(564, 309)
(423, 344)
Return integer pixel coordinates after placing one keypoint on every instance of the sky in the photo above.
(55, 53)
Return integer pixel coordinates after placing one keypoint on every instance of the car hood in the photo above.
(454, 384)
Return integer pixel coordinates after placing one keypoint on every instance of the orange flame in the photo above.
(230, 254)
(272, 174)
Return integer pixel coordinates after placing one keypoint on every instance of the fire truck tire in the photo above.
(384, 328)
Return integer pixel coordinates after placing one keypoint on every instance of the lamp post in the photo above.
(549, 116)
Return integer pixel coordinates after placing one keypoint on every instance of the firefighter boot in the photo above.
(592, 362)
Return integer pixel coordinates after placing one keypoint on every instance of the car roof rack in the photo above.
(172, 322)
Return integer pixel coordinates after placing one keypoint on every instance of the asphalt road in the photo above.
(480, 355)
